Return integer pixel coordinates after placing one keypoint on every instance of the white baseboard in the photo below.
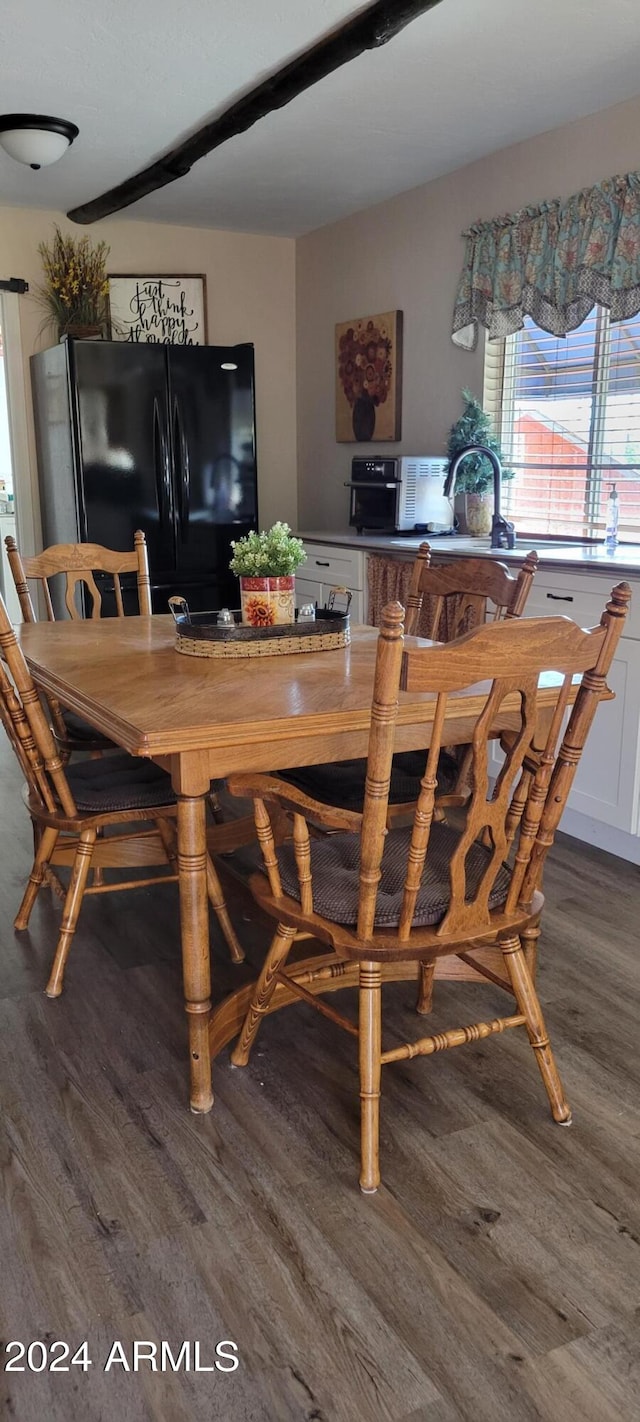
(615, 841)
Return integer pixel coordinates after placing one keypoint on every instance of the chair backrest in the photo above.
(464, 592)
(491, 665)
(27, 726)
(509, 660)
(78, 562)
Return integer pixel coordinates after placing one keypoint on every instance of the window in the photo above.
(567, 409)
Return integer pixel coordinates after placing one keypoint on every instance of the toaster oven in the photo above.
(401, 495)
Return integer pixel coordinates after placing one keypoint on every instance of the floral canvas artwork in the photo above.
(369, 378)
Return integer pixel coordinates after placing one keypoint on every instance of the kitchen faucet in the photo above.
(503, 533)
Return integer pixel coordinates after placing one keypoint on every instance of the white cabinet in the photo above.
(329, 566)
(607, 783)
(606, 789)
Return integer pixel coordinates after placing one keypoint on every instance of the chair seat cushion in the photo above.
(119, 782)
(341, 782)
(335, 866)
(79, 730)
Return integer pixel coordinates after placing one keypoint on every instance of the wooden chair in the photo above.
(380, 896)
(72, 806)
(443, 602)
(75, 564)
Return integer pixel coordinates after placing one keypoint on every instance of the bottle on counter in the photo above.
(612, 518)
(225, 618)
(307, 613)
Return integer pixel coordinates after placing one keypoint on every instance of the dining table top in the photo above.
(126, 677)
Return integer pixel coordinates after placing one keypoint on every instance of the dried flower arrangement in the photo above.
(75, 291)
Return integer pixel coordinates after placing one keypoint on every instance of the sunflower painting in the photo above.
(369, 378)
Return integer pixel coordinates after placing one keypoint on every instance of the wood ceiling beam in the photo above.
(372, 28)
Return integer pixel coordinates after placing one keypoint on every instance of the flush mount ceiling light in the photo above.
(36, 139)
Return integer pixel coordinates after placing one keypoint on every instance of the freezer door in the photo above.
(212, 427)
(125, 457)
(203, 593)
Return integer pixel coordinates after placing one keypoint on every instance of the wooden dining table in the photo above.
(202, 718)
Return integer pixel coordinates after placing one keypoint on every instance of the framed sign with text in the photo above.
(166, 310)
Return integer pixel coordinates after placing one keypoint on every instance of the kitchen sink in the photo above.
(523, 545)
(456, 542)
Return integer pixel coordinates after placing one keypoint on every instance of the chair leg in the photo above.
(529, 941)
(98, 874)
(45, 843)
(370, 1047)
(529, 1005)
(425, 988)
(215, 807)
(216, 899)
(264, 990)
(169, 843)
(75, 892)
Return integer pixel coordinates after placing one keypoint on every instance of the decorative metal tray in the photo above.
(198, 634)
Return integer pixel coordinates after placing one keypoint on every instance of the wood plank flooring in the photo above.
(495, 1276)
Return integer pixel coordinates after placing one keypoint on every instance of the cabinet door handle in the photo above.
(320, 564)
(558, 597)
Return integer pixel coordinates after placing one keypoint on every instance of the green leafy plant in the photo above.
(475, 473)
(75, 289)
(275, 553)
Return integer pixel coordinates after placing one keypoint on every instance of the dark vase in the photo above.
(363, 417)
(83, 332)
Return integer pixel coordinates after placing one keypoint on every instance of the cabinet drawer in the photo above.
(339, 567)
(581, 599)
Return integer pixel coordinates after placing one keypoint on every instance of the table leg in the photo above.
(194, 921)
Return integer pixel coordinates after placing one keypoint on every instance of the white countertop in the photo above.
(592, 557)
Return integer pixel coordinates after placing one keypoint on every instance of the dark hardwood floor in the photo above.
(496, 1275)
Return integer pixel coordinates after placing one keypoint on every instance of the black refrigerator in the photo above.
(156, 437)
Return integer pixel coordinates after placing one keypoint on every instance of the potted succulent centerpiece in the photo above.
(474, 478)
(266, 564)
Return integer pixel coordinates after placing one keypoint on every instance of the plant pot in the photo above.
(265, 602)
(478, 514)
(83, 333)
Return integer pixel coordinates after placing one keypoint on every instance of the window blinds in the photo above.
(567, 410)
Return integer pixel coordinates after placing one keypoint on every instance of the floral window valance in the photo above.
(553, 263)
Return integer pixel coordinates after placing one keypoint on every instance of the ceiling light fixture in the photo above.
(36, 139)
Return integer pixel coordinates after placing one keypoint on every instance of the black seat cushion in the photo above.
(119, 782)
(335, 866)
(341, 782)
(79, 730)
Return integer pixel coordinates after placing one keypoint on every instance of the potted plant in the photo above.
(475, 474)
(266, 563)
(75, 290)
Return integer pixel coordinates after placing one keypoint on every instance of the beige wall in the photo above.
(251, 297)
(406, 254)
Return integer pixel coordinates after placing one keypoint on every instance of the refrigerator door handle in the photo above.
(161, 465)
(184, 474)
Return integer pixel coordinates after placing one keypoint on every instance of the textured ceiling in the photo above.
(461, 81)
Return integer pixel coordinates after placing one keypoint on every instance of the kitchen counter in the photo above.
(623, 561)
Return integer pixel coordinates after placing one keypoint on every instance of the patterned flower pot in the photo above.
(478, 514)
(266, 601)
